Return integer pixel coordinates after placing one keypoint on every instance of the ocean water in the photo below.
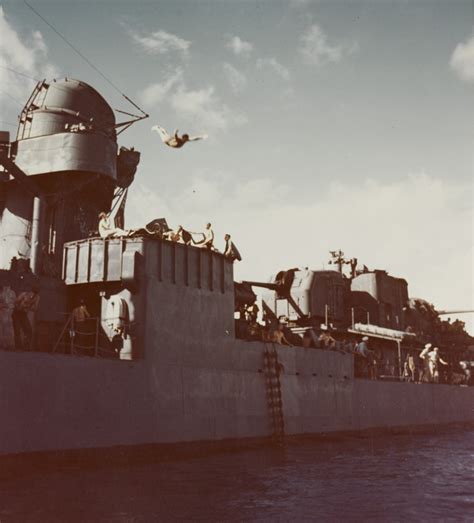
(423, 477)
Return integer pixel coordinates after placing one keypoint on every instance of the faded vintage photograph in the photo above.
(236, 260)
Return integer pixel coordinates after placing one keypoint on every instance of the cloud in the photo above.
(316, 50)
(202, 108)
(274, 65)
(160, 42)
(416, 227)
(26, 54)
(236, 79)
(462, 60)
(156, 93)
(239, 47)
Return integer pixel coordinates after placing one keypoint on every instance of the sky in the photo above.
(332, 125)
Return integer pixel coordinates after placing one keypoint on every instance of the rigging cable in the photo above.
(10, 96)
(18, 72)
(86, 59)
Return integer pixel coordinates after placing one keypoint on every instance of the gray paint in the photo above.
(191, 379)
(83, 152)
(312, 292)
(186, 394)
(67, 140)
(15, 224)
(66, 126)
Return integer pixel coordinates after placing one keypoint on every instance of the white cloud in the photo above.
(237, 80)
(274, 65)
(156, 93)
(415, 228)
(202, 108)
(160, 42)
(316, 50)
(28, 56)
(462, 60)
(238, 46)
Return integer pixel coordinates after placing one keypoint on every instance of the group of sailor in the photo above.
(367, 361)
(108, 230)
(181, 235)
(22, 308)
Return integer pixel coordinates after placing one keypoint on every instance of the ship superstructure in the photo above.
(161, 357)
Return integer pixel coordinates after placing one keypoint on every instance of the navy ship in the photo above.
(144, 339)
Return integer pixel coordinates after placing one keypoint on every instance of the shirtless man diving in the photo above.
(175, 140)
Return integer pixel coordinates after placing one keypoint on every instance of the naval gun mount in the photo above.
(62, 170)
(306, 297)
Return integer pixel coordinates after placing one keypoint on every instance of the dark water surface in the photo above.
(422, 477)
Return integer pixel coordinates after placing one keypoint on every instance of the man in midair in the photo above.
(175, 140)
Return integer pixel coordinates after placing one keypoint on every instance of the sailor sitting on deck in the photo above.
(208, 238)
(175, 140)
(106, 230)
(181, 235)
(173, 236)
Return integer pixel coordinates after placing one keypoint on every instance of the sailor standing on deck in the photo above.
(362, 348)
(25, 302)
(80, 315)
(424, 364)
(466, 368)
(230, 250)
(433, 360)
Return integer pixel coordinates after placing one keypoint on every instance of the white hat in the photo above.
(428, 346)
(365, 338)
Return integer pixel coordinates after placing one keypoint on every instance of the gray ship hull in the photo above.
(52, 402)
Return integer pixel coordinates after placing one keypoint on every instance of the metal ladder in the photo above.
(34, 102)
(272, 368)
